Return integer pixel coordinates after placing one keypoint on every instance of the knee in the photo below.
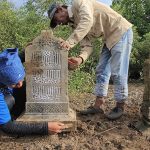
(102, 78)
(9, 100)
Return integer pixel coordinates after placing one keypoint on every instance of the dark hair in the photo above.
(64, 6)
(53, 23)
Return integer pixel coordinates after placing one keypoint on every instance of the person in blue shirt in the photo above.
(11, 89)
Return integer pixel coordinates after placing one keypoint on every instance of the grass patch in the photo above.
(80, 81)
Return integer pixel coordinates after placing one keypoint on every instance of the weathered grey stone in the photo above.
(145, 108)
(144, 124)
(47, 81)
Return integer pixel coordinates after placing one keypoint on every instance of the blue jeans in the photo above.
(115, 63)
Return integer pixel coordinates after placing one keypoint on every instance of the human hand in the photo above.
(56, 127)
(28, 44)
(65, 45)
(74, 62)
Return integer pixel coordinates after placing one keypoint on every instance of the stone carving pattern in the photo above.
(47, 108)
(42, 92)
(46, 59)
(45, 77)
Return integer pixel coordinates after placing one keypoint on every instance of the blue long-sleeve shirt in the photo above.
(14, 127)
(4, 111)
(17, 128)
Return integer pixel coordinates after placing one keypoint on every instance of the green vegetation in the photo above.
(137, 12)
(20, 26)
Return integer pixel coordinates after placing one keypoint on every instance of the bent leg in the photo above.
(20, 99)
(120, 64)
(102, 81)
(10, 101)
(119, 70)
(103, 73)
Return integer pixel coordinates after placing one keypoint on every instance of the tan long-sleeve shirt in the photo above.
(94, 19)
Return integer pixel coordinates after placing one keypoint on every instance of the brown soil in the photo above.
(93, 132)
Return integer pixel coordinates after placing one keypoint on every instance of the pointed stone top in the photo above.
(45, 38)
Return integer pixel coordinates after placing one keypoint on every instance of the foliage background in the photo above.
(20, 26)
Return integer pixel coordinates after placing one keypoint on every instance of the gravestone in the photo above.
(47, 82)
(144, 124)
(145, 108)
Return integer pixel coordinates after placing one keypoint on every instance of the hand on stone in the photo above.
(28, 44)
(65, 45)
(74, 62)
(55, 127)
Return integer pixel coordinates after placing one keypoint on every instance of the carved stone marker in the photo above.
(47, 81)
(144, 124)
(145, 108)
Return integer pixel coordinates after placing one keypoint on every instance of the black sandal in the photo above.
(92, 110)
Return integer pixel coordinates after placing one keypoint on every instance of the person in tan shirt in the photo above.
(92, 19)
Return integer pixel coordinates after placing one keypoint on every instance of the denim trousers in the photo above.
(114, 63)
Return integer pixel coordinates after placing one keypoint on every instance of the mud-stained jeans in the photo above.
(115, 63)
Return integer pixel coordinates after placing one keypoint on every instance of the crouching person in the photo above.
(11, 78)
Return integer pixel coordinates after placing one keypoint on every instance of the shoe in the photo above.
(115, 113)
(91, 110)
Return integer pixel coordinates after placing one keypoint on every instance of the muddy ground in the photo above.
(93, 132)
